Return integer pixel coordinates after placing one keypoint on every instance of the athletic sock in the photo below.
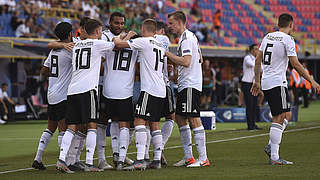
(90, 145)
(43, 143)
(114, 133)
(81, 137)
(166, 131)
(123, 143)
(101, 142)
(60, 136)
(146, 154)
(157, 144)
(131, 134)
(275, 137)
(141, 141)
(185, 134)
(73, 150)
(200, 140)
(285, 123)
(65, 144)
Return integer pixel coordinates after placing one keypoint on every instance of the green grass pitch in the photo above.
(234, 152)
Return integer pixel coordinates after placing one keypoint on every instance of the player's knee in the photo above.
(195, 122)
(52, 125)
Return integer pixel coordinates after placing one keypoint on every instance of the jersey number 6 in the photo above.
(267, 60)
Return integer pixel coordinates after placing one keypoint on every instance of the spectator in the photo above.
(195, 10)
(208, 84)
(7, 103)
(216, 21)
(23, 30)
(15, 20)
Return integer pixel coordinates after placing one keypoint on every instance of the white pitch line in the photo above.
(175, 147)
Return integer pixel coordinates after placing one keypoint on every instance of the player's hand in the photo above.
(213, 88)
(255, 89)
(315, 86)
(131, 34)
(68, 46)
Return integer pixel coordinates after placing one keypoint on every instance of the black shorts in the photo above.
(278, 100)
(58, 111)
(168, 102)
(149, 108)
(207, 91)
(121, 109)
(188, 102)
(82, 108)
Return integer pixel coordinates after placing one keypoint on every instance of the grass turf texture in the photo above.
(237, 159)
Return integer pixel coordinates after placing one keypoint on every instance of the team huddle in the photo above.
(91, 80)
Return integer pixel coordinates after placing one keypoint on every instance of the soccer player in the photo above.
(277, 48)
(117, 96)
(151, 100)
(77, 145)
(58, 66)
(83, 92)
(119, 69)
(189, 61)
(169, 113)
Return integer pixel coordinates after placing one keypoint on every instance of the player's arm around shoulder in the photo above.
(60, 45)
(123, 43)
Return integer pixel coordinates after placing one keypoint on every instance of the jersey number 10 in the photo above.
(79, 58)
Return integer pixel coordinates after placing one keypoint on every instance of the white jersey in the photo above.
(164, 40)
(59, 62)
(76, 39)
(248, 68)
(119, 70)
(190, 77)
(276, 48)
(86, 63)
(151, 65)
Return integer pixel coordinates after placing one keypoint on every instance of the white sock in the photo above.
(60, 136)
(73, 150)
(166, 131)
(131, 134)
(123, 143)
(200, 140)
(114, 133)
(65, 144)
(91, 145)
(101, 142)
(81, 138)
(284, 125)
(275, 137)
(185, 134)
(43, 143)
(141, 141)
(146, 154)
(157, 144)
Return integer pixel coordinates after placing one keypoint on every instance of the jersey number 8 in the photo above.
(54, 71)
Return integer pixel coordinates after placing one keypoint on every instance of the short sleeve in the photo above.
(262, 45)
(104, 46)
(290, 47)
(186, 47)
(47, 62)
(5, 94)
(138, 43)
